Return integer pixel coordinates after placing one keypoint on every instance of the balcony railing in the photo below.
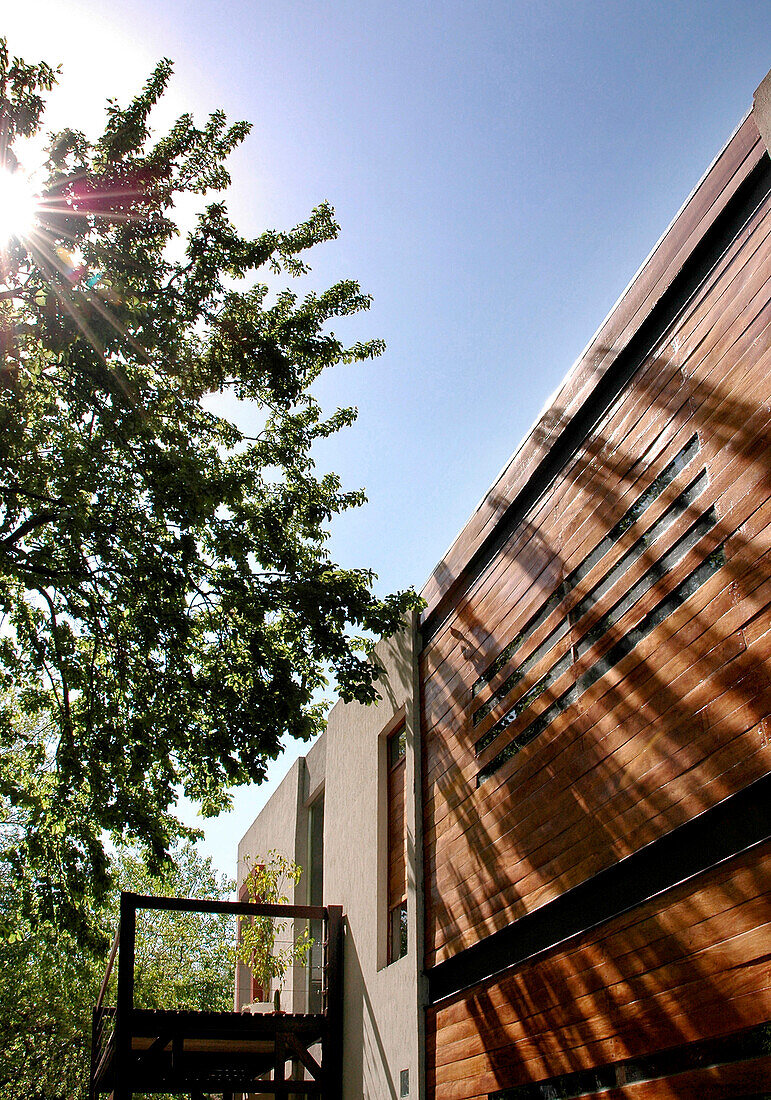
(184, 1051)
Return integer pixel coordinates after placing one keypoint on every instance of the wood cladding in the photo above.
(605, 677)
(736, 1061)
(735, 825)
(397, 830)
(687, 966)
(596, 681)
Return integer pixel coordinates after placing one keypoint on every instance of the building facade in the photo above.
(347, 813)
(551, 838)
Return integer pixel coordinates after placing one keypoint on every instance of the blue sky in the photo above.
(499, 170)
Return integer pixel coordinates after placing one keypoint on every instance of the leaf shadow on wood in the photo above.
(585, 792)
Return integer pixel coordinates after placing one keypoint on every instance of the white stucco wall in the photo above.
(382, 1019)
(282, 825)
(761, 109)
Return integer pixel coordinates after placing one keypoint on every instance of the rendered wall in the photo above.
(383, 1026)
(383, 1023)
(282, 825)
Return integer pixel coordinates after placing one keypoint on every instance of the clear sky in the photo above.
(500, 170)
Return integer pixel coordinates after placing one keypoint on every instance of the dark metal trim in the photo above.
(733, 826)
(726, 1050)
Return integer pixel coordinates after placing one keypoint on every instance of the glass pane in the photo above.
(397, 932)
(397, 746)
(403, 931)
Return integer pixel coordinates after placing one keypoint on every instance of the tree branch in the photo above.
(25, 528)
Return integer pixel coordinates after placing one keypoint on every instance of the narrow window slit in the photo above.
(633, 513)
(687, 587)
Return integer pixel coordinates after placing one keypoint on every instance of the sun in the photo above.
(18, 205)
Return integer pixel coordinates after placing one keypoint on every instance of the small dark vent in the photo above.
(616, 653)
(633, 513)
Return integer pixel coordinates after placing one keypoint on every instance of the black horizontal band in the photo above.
(740, 1046)
(728, 829)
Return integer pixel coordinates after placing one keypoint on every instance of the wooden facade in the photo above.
(397, 844)
(667, 975)
(595, 701)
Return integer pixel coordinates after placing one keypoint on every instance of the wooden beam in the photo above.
(279, 1072)
(303, 1055)
(199, 905)
(177, 1045)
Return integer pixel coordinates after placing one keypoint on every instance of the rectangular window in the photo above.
(396, 757)
(397, 932)
(315, 884)
(397, 747)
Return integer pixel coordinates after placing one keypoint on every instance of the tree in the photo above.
(182, 960)
(170, 609)
(49, 983)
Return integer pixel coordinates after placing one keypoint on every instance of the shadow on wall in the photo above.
(365, 1057)
(400, 660)
(573, 797)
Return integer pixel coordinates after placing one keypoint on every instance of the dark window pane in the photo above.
(397, 932)
(397, 746)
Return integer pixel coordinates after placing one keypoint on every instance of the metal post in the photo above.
(125, 1005)
(332, 1050)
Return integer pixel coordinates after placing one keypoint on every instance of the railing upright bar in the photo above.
(95, 1029)
(332, 1049)
(125, 1005)
(324, 965)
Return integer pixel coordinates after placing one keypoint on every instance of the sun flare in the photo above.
(18, 205)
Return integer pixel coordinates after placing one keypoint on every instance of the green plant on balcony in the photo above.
(260, 939)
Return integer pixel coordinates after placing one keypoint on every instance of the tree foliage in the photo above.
(49, 982)
(182, 960)
(169, 605)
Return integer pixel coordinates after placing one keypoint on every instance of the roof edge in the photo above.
(732, 165)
